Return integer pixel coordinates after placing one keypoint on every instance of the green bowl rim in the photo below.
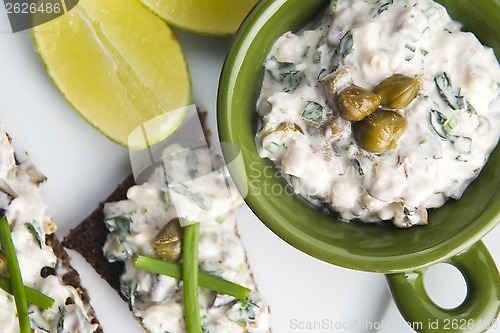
(291, 234)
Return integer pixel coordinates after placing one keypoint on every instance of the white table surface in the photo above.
(83, 167)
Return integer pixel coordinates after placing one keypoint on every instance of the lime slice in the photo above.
(116, 63)
(213, 17)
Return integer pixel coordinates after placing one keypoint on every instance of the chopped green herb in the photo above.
(321, 41)
(313, 112)
(165, 197)
(317, 57)
(409, 47)
(451, 123)
(322, 74)
(306, 52)
(242, 312)
(477, 169)
(446, 91)
(451, 95)
(437, 121)
(440, 123)
(132, 294)
(280, 70)
(119, 223)
(424, 52)
(355, 163)
(286, 69)
(382, 8)
(205, 280)
(15, 276)
(351, 148)
(283, 64)
(469, 108)
(346, 45)
(333, 6)
(60, 323)
(285, 72)
(32, 230)
(294, 82)
(410, 53)
(219, 219)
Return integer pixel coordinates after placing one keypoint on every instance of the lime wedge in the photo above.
(212, 17)
(116, 63)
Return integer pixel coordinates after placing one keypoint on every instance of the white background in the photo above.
(83, 167)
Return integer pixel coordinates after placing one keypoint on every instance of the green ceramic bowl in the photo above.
(454, 231)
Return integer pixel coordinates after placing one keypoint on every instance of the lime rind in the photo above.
(212, 29)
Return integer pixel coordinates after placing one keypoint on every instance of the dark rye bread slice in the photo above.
(88, 239)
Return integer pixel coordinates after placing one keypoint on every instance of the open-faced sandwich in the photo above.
(143, 241)
(40, 291)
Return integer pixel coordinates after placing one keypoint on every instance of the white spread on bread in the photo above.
(156, 300)
(25, 209)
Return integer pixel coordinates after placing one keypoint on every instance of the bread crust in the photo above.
(72, 278)
(88, 239)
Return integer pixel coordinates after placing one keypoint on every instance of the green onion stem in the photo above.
(190, 273)
(32, 296)
(16, 278)
(174, 270)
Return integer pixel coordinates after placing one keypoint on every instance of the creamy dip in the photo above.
(157, 300)
(452, 125)
(26, 212)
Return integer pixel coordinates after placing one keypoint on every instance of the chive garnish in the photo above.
(174, 270)
(313, 112)
(190, 273)
(32, 296)
(16, 278)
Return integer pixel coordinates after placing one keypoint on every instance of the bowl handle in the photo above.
(476, 314)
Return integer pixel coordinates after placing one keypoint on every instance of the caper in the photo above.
(168, 241)
(398, 91)
(289, 127)
(356, 103)
(380, 131)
